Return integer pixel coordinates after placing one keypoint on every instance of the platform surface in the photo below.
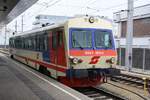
(123, 90)
(15, 86)
(136, 74)
(17, 83)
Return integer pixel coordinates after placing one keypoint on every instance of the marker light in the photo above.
(91, 20)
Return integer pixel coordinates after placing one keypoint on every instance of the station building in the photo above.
(141, 38)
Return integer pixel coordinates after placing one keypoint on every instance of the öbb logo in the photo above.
(94, 60)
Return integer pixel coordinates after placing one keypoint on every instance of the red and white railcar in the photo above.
(79, 52)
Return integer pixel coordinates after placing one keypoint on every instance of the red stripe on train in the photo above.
(93, 53)
(44, 64)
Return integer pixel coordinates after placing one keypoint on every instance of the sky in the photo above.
(68, 8)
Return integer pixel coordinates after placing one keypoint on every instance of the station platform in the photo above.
(136, 74)
(19, 82)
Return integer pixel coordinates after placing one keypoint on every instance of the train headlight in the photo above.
(75, 60)
(91, 19)
(113, 60)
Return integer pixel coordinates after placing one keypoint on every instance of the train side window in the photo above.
(29, 43)
(45, 40)
(16, 42)
(13, 44)
(54, 40)
(37, 42)
(24, 46)
(10, 42)
(20, 42)
(26, 43)
(41, 42)
(60, 38)
(34, 43)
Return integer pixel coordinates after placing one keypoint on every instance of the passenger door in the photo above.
(53, 53)
(53, 46)
(61, 56)
(57, 51)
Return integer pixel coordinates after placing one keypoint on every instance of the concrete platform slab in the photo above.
(19, 82)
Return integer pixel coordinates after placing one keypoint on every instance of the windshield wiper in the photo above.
(106, 47)
(78, 44)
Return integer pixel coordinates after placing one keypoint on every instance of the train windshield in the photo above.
(102, 39)
(81, 39)
(91, 39)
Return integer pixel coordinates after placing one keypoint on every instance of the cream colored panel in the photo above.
(83, 22)
(28, 54)
(86, 60)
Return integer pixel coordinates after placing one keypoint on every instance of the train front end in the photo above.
(91, 52)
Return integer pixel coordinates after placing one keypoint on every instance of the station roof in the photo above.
(10, 9)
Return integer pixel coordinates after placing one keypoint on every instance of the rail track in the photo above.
(99, 94)
(92, 92)
(139, 95)
(131, 80)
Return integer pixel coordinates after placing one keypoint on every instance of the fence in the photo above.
(140, 58)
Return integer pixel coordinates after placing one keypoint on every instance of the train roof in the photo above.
(34, 31)
(56, 25)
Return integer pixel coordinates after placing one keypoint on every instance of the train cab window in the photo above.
(54, 40)
(103, 39)
(81, 39)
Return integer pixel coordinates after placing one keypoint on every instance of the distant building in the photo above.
(141, 37)
(44, 20)
(141, 23)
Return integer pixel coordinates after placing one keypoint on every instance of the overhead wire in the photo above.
(45, 5)
(76, 6)
(108, 8)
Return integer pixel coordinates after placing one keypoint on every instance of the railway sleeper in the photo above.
(124, 79)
